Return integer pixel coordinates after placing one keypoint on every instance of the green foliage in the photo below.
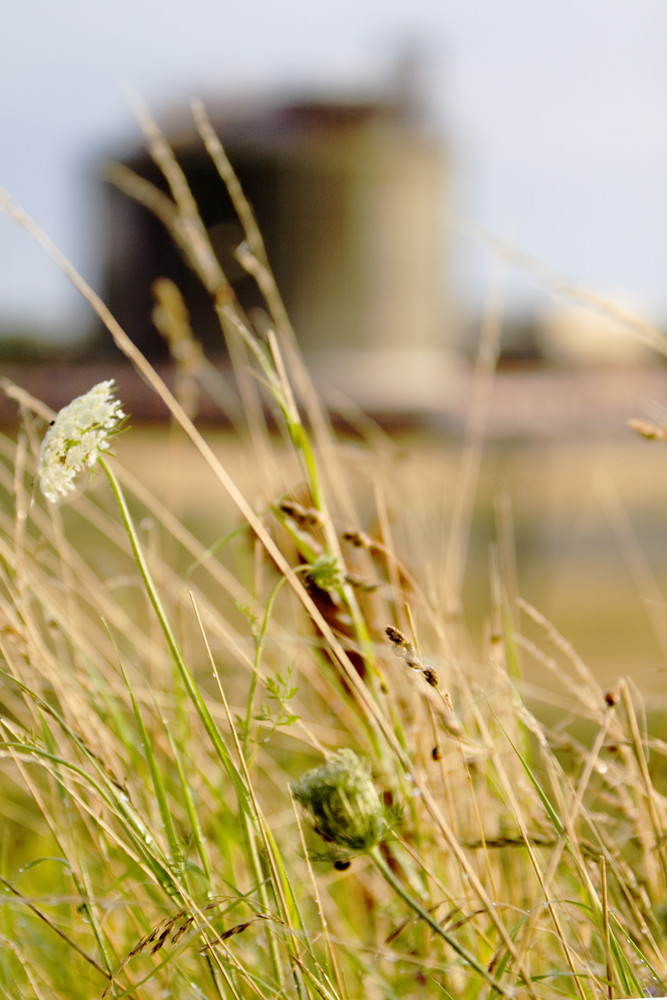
(325, 573)
(280, 691)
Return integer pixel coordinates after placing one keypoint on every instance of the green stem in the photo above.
(198, 701)
(391, 880)
(146, 574)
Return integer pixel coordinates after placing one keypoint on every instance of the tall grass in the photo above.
(160, 694)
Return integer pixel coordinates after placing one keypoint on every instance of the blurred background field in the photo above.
(574, 495)
(586, 516)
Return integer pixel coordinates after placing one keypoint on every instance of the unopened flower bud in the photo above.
(343, 802)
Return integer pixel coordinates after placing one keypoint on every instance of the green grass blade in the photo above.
(541, 794)
(156, 778)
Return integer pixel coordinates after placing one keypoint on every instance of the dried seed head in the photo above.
(359, 539)
(430, 677)
(396, 636)
(403, 648)
(306, 517)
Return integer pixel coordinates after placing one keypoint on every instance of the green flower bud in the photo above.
(325, 573)
(343, 802)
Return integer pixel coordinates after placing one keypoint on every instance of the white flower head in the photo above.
(80, 434)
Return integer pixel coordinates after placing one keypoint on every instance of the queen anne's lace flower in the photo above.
(80, 434)
(343, 802)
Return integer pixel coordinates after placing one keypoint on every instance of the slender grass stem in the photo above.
(154, 597)
(394, 883)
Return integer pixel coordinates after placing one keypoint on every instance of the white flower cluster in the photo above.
(79, 435)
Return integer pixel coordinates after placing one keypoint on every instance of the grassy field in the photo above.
(273, 720)
(586, 515)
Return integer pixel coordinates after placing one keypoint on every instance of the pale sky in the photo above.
(556, 115)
